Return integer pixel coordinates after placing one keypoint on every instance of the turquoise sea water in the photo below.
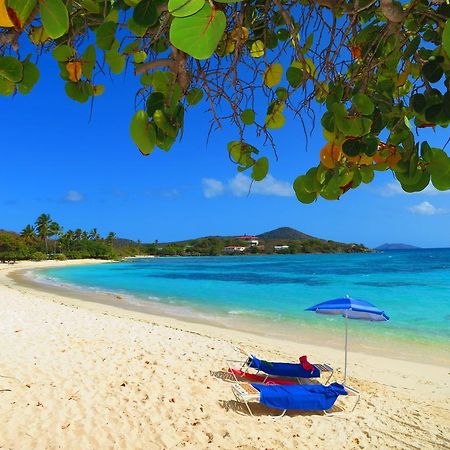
(413, 287)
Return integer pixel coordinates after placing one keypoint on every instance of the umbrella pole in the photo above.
(346, 334)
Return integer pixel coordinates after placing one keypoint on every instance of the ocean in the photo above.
(269, 294)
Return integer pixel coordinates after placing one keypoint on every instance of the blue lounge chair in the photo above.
(280, 369)
(308, 397)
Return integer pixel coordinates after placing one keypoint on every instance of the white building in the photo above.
(234, 249)
(280, 247)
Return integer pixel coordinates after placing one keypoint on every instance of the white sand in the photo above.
(80, 375)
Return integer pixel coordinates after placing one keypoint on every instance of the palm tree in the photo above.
(78, 234)
(28, 233)
(66, 239)
(94, 235)
(55, 229)
(43, 228)
(110, 238)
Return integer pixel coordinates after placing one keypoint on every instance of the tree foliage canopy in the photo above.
(377, 71)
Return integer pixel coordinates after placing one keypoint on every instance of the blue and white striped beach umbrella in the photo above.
(350, 308)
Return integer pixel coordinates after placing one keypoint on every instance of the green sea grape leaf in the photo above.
(446, 37)
(294, 76)
(63, 53)
(281, 93)
(30, 77)
(194, 96)
(21, 11)
(145, 13)
(113, 16)
(300, 190)
(414, 183)
(11, 68)
(275, 120)
(248, 116)
(160, 81)
(91, 6)
(88, 62)
(154, 101)
(310, 181)
(432, 71)
(363, 104)
(353, 147)
(162, 121)
(367, 174)
(55, 17)
(260, 169)
(199, 34)
(332, 189)
(272, 75)
(6, 87)
(241, 153)
(105, 35)
(116, 61)
(439, 168)
(142, 132)
(135, 28)
(80, 91)
(441, 181)
(184, 8)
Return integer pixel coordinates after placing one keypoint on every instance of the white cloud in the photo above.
(212, 187)
(241, 185)
(427, 209)
(74, 196)
(394, 188)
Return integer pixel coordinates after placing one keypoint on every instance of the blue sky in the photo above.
(87, 173)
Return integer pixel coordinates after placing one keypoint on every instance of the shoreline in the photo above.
(79, 374)
(403, 350)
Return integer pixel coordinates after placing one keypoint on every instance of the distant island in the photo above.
(283, 240)
(46, 239)
(396, 247)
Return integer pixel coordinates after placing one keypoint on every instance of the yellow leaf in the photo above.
(74, 68)
(5, 21)
(257, 49)
(273, 74)
(229, 46)
(275, 120)
(98, 89)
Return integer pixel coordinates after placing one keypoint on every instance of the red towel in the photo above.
(305, 364)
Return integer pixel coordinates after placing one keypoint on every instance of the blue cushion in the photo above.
(283, 369)
(309, 397)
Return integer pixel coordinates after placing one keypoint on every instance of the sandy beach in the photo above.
(87, 375)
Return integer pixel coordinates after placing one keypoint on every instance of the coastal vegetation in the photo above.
(375, 73)
(46, 239)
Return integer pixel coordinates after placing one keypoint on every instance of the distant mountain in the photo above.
(396, 247)
(285, 233)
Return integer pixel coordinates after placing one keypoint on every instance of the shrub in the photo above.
(60, 257)
(38, 256)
